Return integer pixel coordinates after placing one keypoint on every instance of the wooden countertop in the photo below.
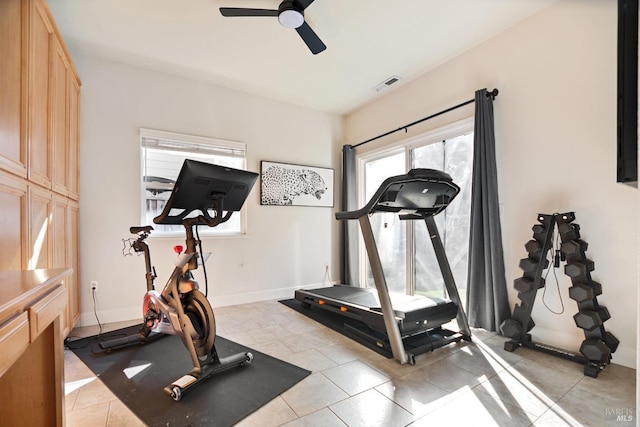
(18, 289)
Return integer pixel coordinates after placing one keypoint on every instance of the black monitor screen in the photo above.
(200, 184)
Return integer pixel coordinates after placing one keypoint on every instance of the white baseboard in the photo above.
(132, 313)
(111, 316)
(266, 295)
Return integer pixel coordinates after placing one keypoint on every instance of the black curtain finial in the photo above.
(492, 94)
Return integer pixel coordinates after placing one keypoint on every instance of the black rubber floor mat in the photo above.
(138, 374)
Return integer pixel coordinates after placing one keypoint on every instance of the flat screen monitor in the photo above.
(200, 185)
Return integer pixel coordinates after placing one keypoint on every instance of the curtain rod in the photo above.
(491, 94)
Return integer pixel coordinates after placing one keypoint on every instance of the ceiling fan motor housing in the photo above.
(290, 14)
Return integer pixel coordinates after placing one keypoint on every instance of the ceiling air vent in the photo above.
(388, 82)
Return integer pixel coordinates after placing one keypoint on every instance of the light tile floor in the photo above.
(466, 384)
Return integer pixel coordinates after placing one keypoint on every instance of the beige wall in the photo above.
(555, 123)
(286, 247)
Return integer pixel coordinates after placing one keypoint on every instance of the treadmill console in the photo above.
(417, 194)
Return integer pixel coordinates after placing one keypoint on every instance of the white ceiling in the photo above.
(367, 42)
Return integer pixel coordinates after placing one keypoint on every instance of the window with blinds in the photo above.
(162, 155)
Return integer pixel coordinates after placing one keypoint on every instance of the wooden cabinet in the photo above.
(39, 148)
(31, 352)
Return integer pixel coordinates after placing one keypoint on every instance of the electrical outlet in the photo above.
(94, 286)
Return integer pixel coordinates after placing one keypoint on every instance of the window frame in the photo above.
(207, 145)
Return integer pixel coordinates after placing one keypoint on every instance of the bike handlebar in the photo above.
(140, 229)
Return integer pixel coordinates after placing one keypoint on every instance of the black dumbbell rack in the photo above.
(598, 345)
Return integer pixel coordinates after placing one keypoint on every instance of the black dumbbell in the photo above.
(529, 265)
(523, 284)
(595, 350)
(591, 319)
(520, 312)
(539, 232)
(582, 292)
(578, 270)
(568, 231)
(534, 248)
(573, 250)
(611, 341)
(511, 328)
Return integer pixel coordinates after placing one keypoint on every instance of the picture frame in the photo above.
(286, 184)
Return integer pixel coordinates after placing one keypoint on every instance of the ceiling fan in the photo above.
(290, 14)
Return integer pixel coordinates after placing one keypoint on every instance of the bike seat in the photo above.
(140, 229)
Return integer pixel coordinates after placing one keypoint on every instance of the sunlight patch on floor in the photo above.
(71, 386)
(135, 370)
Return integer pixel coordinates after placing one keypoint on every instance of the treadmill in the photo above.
(404, 325)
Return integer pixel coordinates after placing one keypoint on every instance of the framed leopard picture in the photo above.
(284, 184)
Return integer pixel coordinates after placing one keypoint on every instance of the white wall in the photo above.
(555, 122)
(286, 247)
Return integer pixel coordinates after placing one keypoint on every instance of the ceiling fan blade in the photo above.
(304, 3)
(311, 38)
(237, 11)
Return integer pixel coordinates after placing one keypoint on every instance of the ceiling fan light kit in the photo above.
(290, 14)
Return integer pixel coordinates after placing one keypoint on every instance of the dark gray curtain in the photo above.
(349, 229)
(487, 303)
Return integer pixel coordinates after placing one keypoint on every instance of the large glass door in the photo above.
(405, 248)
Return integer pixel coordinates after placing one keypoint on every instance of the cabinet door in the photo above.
(13, 210)
(13, 39)
(39, 240)
(59, 234)
(58, 118)
(73, 261)
(38, 95)
(58, 227)
(74, 136)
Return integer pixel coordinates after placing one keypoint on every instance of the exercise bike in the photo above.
(181, 309)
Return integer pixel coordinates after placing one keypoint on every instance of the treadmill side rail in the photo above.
(447, 275)
(393, 332)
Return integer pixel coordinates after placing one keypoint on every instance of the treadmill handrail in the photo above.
(414, 175)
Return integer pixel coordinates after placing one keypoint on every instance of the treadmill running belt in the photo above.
(413, 314)
(368, 297)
